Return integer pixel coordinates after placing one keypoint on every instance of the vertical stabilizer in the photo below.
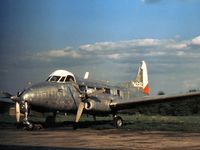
(141, 80)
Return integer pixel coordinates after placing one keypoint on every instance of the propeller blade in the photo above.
(76, 87)
(84, 96)
(17, 111)
(79, 111)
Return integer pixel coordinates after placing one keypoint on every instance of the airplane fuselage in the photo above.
(63, 97)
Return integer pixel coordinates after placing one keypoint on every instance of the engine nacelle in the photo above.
(96, 105)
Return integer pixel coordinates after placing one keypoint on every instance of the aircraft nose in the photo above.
(26, 96)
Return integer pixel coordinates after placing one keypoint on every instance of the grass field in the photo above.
(163, 123)
(131, 122)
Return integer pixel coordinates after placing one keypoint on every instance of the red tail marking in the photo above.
(146, 89)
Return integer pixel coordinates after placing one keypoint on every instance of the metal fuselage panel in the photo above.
(64, 97)
(53, 96)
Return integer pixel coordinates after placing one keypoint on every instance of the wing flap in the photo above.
(120, 105)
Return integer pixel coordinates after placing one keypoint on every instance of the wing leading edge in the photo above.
(120, 105)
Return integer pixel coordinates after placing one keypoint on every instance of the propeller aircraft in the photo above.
(65, 92)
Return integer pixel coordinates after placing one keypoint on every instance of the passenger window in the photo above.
(98, 88)
(107, 91)
(118, 92)
(90, 89)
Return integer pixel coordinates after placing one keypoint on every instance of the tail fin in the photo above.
(141, 80)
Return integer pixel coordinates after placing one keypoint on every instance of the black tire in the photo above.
(38, 126)
(28, 127)
(118, 122)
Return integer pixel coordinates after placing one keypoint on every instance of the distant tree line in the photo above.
(189, 106)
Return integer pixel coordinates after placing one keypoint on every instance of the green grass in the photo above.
(164, 123)
(131, 122)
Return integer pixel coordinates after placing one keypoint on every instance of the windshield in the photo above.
(55, 78)
(61, 79)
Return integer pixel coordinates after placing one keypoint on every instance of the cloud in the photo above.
(114, 56)
(166, 58)
(106, 46)
(181, 53)
(166, 51)
(59, 53)
(150, 1)
(124, 51)
(101, 46)
(196, 41)
(155, 53)
(138, 45)
(147, 47)
(157, 1)
(178, 46)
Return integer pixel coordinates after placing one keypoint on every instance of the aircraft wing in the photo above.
(139, 101)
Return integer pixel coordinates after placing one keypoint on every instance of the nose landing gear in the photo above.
(26, 123)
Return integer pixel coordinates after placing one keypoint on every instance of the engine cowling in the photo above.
(97, 105)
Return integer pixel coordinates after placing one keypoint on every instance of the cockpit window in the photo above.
(69, 78)
(62, 79)
(55, 78)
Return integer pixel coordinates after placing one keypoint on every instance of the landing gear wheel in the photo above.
(118, 121)
(37, 127)
(28, 127)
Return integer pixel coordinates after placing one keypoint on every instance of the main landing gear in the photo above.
(117, 121)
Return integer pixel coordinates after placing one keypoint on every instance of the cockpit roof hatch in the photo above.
(60, 75)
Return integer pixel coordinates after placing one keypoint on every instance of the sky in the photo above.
(108, 38)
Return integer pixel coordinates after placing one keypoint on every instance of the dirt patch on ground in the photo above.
(66, 138)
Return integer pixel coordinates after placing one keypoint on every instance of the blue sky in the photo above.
(109, 38)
